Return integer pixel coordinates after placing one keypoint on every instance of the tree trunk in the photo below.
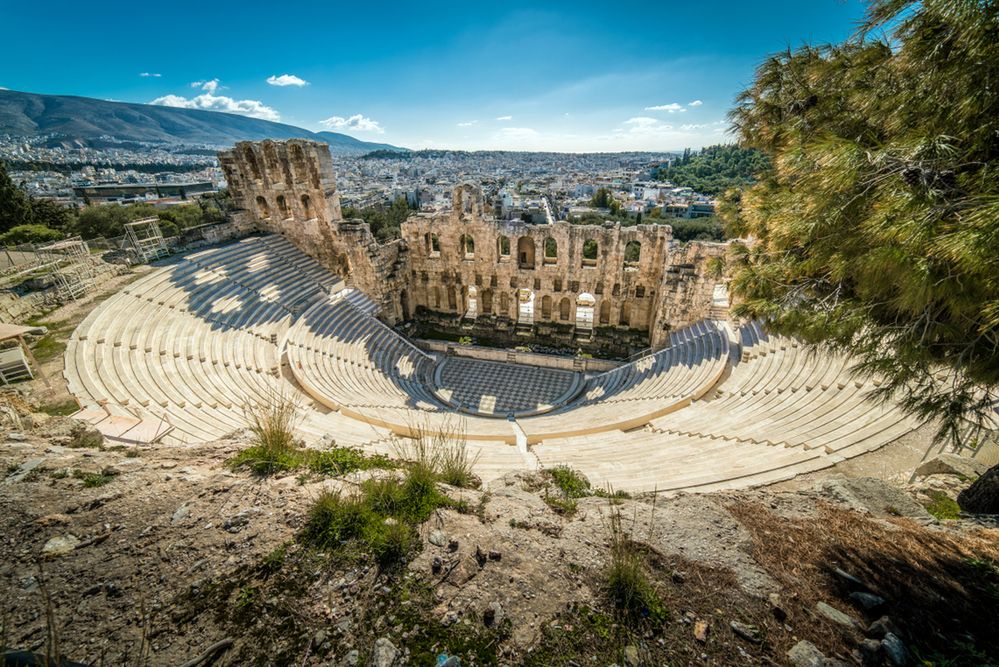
(982, 497)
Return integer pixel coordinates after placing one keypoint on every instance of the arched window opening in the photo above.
(546, 307)
(640, 292)
(432, 244)
(452, 299)
(632, 254)
(503, 248)
(624, 317)
(282, 207)
(605, 312)
(466, 246)
(487, 302)
(504, 304)
(306, 204)
(564, 307)
(298, 160)
(551, 251)
(525, 252)
(251, 159)
(263, 208)
(404, 305)
(437, 298)
(590, 250)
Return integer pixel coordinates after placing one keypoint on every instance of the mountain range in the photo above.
(85, 121)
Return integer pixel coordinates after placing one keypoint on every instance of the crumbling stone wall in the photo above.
(463, 270)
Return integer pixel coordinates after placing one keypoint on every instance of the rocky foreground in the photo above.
(165, 556)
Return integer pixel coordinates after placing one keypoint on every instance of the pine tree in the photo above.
(877, 230)
(15, 206)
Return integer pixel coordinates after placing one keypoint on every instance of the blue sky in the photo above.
(573, 76)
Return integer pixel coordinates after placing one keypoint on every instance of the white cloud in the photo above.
(701, 126)
(468, 123)
(641, 121)
(695, 103)
(210, 102)
(503, 119)
(672, 107)
(287, 80)
(357, 123)
(152, 74)
(3, 88)
(211, 86)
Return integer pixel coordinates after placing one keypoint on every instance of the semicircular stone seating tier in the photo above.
(783, 411)
(197, 340)
(194, 344)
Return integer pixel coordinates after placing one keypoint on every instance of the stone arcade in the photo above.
(601, 288)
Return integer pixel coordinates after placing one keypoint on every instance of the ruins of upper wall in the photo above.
(463, 266)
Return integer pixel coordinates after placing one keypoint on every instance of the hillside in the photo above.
(715, 169)
(86, 120)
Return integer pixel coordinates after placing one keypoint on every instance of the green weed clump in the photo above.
(380, 519)
(627, 584)
(275, 448)
(94, 479)
(943, 507)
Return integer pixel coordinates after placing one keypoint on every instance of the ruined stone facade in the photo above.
(603, 288)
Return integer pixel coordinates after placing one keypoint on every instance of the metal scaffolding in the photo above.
(146, 238)
(73, 268)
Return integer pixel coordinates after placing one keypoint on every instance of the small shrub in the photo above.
(335, 519)
(389, 540)
(274, 447)
(572, 483)
(564, 506)
(943, 507)
(83, 436)
(93, 479)
(343, 460)
(627, 585)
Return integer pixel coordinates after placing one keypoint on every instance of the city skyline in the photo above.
(557, 78)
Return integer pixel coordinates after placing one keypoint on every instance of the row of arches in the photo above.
(264, 208)
(526, 250)
(522, 306)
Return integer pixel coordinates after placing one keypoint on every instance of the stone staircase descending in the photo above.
(119, 425)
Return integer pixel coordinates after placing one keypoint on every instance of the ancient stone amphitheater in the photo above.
(177, 356)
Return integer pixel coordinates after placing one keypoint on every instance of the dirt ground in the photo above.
(166, 552)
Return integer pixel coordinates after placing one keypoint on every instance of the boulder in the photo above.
(895, 650)
(384, 654)
(869, 494)
(60, 545)
(807, 654)
(952, 464)
(982, 497)
(835, 615)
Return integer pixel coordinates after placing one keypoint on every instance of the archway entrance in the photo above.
(584, 310)
(525, 306)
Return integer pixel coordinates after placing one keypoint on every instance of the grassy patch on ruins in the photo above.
(59, 408)
(569, 485)
(943, 507)
(275, 449)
